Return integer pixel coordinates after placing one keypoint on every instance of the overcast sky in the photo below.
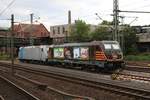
(54, 12)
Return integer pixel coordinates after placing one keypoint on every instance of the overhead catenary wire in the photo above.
(7, 7)
(5, 19)
(125, 11)
(140, 7)
(129, 4)
(135, 6)
(133, 20)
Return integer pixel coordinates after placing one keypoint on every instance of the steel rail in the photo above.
(136, 77)
(98, 84)
(1, 98)
(19, 88)
(45, 86)
(137, 68)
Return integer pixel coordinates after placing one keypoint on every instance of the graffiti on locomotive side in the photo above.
(59, 52)
(76, 53)
(84, 53)
(81, 53)
(68, 54)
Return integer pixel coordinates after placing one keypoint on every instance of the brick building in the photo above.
(28, 30)
(22, 34)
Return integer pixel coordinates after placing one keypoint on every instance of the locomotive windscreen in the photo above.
(112, 50)
(112, 47)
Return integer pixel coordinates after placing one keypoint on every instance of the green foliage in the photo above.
(106, 23)
(4, 56)
(80, 31)
(103, 31)
(140, 57)
(129, 40)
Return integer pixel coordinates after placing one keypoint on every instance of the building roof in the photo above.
(28, 27)
(35, 29)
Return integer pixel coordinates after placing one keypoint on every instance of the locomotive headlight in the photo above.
(114, 56)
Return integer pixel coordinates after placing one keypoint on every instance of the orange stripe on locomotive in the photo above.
(100, 55)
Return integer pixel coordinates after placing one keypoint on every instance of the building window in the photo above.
(53, 31)
(63, 29)
(58, 30)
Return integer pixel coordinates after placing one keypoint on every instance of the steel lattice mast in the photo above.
(115, 20)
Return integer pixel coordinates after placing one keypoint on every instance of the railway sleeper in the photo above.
(1, 98)
(46, 87)
(128, 91)
(40, 85)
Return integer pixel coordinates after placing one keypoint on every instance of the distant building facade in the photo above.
(28, 30)
(143, 34)
(22, 34)
(60, 32)
(4, 42)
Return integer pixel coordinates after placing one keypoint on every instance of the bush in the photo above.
(140, 57)
(4, 57)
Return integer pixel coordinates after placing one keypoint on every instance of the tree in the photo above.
(130, 39)
(103, 31)
(80, 31)
(105, 22)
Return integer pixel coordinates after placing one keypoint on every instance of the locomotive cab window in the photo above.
(111, 46)
(112, 50)
(115, 46)
(107, 46)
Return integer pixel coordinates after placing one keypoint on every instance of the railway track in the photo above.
(64, 95)
(137, 68)
(136, 73)
(10, 91)
(1, 97)
(112, 86)
(60, 95)
(126, 76)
